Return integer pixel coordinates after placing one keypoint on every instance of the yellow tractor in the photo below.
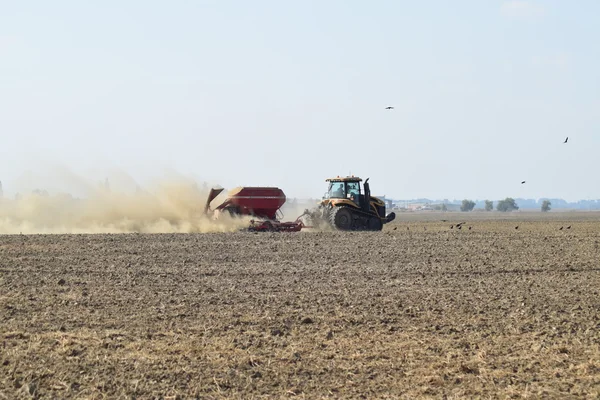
(348, 206)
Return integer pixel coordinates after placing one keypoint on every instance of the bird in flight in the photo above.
(566, 140)
(522, 182)
(389, 108)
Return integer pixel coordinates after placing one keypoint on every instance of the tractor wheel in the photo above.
(341, 218)
(375, 224)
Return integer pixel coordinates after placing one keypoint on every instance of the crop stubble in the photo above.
(422, 310)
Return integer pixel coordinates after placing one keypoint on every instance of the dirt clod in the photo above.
(276, 332)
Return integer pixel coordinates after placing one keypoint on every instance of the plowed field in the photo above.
(419, 310)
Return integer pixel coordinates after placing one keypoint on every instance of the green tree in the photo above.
(440, 207)
(508, 204)
(546, 205)
(489, 205)
(467, 205)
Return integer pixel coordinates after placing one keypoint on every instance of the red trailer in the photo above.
(263, 203)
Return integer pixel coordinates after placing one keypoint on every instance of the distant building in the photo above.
(418, 206)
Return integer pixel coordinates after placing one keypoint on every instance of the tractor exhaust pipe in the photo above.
(367, 203)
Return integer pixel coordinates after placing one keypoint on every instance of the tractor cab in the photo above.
(348, 188)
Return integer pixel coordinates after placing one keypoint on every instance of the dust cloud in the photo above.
(295, 208)
(169, 206)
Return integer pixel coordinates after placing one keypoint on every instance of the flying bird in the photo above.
(522, 182)
(566, 140)
(389, 108)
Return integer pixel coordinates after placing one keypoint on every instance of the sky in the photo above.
(282, 93)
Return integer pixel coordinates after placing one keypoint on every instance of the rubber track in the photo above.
(357, 211)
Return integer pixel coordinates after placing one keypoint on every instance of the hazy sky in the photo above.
(288, 93)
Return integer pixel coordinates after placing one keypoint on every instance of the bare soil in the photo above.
(419, 310)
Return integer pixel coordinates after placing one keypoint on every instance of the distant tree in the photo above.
(467, 205)
(508, 204)
(546, 205)
(489, 205)
(444, 208)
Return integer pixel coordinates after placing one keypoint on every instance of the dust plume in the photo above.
(307, 209)
(167, 207)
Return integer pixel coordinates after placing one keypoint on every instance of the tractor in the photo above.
(347, 207)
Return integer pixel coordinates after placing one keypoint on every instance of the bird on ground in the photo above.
(451, 226)
(469, 228)
(566, 140)
(462, 223)
(522, 182)
(517, 227)
(389, 108)
(560, 229)
(459, 226)
(395, 228)
(569, 227)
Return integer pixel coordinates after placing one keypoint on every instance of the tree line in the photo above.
(506, 205)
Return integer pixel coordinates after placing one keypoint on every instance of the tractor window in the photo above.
(336, 190)
(353, 189)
